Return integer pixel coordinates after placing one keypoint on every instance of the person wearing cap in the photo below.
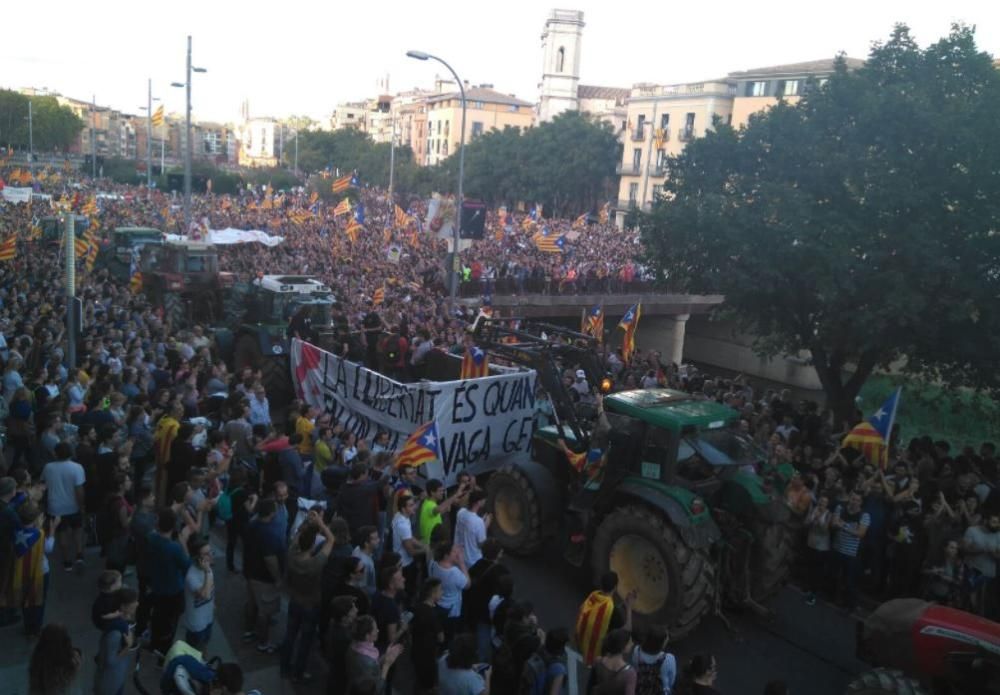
(580, 385)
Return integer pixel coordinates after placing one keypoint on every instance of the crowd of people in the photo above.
(388, 575)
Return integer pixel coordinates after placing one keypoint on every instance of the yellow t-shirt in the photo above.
(304, 428)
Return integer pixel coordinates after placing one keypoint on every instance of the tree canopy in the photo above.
(54, 127)
(862, 224)
(567, 164)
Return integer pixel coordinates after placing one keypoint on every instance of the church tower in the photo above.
(561, 64)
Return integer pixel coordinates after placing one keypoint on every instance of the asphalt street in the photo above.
(811, 648)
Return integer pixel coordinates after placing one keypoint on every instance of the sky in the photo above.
(302, 57)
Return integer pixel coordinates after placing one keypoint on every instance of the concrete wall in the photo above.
(719, 343)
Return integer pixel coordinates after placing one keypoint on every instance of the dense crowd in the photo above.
(388, 575)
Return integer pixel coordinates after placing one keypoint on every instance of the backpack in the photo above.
(224, 507)
(648, 681)
(537, 673)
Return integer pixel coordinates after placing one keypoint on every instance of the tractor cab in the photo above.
(126, 243)
(275, 299)
(183, 277)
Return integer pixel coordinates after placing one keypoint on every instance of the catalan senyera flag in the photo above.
(300, 217)
(8, 249)
(592, 624)
(158, 116)
(352, 230)
(475, 363)
(629, 323)
(343, 207)
(27, 581)
(342, 184)
(90, 208)
(402, 220)
(605, 213)
(80, 246)
(580, 221)
(378, 296)
(527, 223)
(91, 256)
(593, 322)
(423, 446)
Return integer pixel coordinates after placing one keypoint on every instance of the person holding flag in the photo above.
(629, 324)
(600, 613)
(475, 363)
(593, 322)
(873, 437)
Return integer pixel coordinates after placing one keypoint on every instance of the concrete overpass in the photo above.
(664, 314)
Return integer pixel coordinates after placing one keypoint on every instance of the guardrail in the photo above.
(565, 288)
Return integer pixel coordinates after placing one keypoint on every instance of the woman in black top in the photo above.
(428, 634)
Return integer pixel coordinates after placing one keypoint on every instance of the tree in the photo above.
(54, 127)
(860, 225)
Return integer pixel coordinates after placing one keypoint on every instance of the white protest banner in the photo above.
(481, 422)
(17, 194)
(231, 235)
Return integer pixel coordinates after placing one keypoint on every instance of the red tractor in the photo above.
(921, 648)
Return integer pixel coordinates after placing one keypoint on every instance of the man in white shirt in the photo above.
(470, 528)
(64, 479)
(404, 543)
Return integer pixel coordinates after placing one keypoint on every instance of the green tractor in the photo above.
(127, 243)
(182, 277)
(261, 312)
(666, 492)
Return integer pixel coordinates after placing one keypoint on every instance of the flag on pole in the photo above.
(592, 624)
(80, 246)
(475, 363)
(352, 230)
(158, 116)
(90, 207)
(593, 324)
(580, 221)
(8, 249)
(423, 446)
(873, 436)
(343, 207)
(629, 323)
(359, 213)
(91, 257)
(378, 296)
(300, 217)
(343, 183)
(402, 220)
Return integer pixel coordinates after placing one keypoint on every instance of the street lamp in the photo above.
(187, 130)
(420, 55)
(148, 108)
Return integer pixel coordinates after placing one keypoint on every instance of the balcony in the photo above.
(662, 135)
(638, 135)
(686, 135)
(630, 169)
(632, 204)
(659, 169)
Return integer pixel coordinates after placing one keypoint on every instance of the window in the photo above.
(664, 121)
(788, 88)
(633, 192)
(637, 157)
(661, 158)
(444, 149)
(560, 59)
(439, 128)
(757, 89)
(477, 129)
(437, 148)
(513, 108)
(657, 190)
(447, 128)
(478, 105)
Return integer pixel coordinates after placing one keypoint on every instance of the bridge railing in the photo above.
(580, 286)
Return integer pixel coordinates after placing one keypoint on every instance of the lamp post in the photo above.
(420, 55)
(148, 108)
(187, 136)
(31, 141)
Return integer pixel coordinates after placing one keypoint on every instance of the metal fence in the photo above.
(514, 286)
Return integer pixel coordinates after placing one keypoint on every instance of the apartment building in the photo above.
(486, 109)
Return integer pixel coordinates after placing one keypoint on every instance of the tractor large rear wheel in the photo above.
(517, 511)
(674, 582)
(884, 681)
(772, 558)
(174, 310)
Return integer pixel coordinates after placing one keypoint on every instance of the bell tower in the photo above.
(560, 63)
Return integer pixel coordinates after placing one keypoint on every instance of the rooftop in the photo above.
(484, 94)
(587, 91)
(809, 67)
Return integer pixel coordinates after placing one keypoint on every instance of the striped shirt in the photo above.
(848, 543)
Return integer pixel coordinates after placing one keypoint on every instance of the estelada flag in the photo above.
(27, 580)
(8, 249)
(343, 207)
(592, 624)
(423, 446)
(629, 323)
(402, 220)
(475, 363)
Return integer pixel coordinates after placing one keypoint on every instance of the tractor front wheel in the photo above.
(771, 560)
(674, 582)
(517, 511)
(883, 681)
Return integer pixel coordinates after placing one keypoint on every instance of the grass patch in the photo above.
(959, 416)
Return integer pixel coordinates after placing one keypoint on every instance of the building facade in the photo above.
(561, 44)
(258, 142)
(486, 109)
